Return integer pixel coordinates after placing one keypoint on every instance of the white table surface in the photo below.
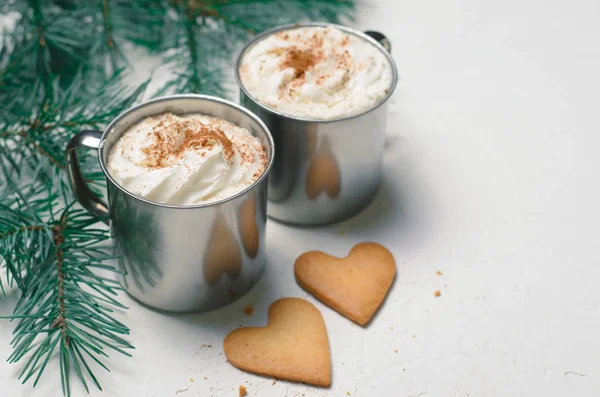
(490, 177)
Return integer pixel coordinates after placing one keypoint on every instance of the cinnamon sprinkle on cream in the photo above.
(301, 60)
(187, 159)
(167, 148)
(315, 72)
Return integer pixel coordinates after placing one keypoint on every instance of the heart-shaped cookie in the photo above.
(293, 346)
(223, 253)
(323, 174)
(355, 286)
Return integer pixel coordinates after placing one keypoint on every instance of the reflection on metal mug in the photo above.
(323, 173)
(324, 170)
(248, 228)
(223, 254)
(181, 258)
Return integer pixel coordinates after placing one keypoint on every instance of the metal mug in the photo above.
(174, 257)
(324, 170)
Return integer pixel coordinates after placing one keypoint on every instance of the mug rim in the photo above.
(346, 29)
(167, 98)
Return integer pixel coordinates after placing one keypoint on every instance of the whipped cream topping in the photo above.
(316, 72)
(186, 160)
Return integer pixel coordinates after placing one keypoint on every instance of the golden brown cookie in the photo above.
(248, 228)
(223, 254)
(355, 286)
(293, 346)
(323, 174)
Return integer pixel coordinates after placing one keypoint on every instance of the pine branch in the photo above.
(141, 22)
(258, 15)
(50, 258)
(65, 305)
(197, 51)
(54, 121)
(16, 67)
(68, 303)
(61, 70)
(205, 35)
(25, 241)
(106, 18)
(62, 39)
(79, 107)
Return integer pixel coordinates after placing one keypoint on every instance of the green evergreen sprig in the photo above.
(76, 322)
(52, 249)
(205, 35)
(63, 69)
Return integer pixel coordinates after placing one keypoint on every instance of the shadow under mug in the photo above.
(325, 170)
(180, 258)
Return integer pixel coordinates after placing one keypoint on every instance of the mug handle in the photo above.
(88, 139)
(380, 38)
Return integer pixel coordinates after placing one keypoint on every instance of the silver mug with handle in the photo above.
(174, 257)
(325, 170)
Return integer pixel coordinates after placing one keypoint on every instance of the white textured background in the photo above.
(490, 177)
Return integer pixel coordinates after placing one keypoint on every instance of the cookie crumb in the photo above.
(414, 336)
(191, 380)
(439, 273)
(274, 381)
(347, 393)
(437, 293)
(205, 378)
(395, 350)
(200, 347)
(248, 310)
(242, 391)
(342, 232)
